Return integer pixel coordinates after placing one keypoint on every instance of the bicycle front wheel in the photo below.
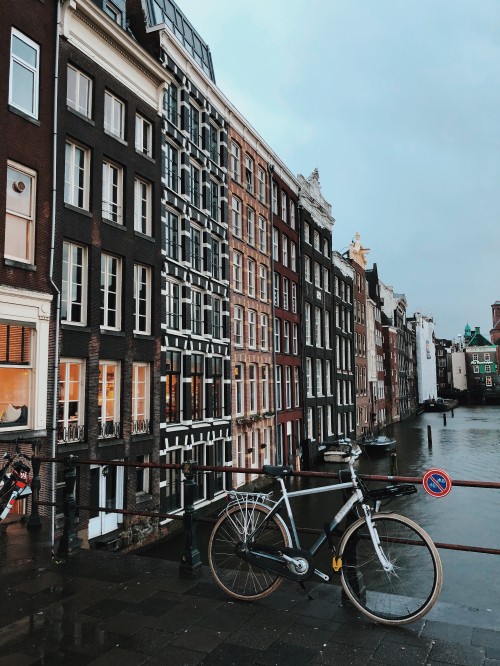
(235, 576)
(412, 585)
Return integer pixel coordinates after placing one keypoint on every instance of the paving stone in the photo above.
(248, 636)
(223, 620)
(452, 633)
(307, 636)
(108, 607)
(17, 658)
(150, 641)
(282, 652)
(231, 655)
(370, 636)
(120, 657)
(124, 623)
(459, 655)
(176, 656)
(486, 637)
(200, 638)
(343, 655)
(393, 654)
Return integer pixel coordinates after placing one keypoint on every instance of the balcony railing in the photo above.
(71, 432)
(108, 430)
(140, 427)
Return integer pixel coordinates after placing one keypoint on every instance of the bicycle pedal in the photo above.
(336, 564)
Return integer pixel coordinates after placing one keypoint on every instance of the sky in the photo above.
(397, 103)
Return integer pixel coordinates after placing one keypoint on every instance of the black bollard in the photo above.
(444, 418)
(429, 436)
(452, 413)
(34, 521)
(69, 542)
(190, 566)
(394, 464)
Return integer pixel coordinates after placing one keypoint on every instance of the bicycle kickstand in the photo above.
(305, 591)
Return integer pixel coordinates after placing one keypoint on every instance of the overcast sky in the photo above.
(397, 102)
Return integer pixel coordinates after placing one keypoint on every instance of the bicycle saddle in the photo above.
(277, 470)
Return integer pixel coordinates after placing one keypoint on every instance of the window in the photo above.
(195, 248)
(294, 297)
(307, 317)
(197, 387)
(307, 233)
(142, 474)
(142, 207)
(295, 338)
(262, 235)
(235, 161)
(112, 192)
(251, 277)
(263, 283)
(316, 241)
(293, 257)
(170, 104)
(476, 369)
(261, 177)
(213, 148)
(279, 387)
(113, 11)
(486, 357)
(216, 259)
(79, 91)
(326, 279)
(238, 326)
(239, 388)
(252, 329)
(236, 216)
(286, 337)
(76, 175)
(237, 271)
(286, 293)
(284, 249)
(489, 381)
(217, 388)
(276, 289)
(114, 115)
(264, 386)
(307, 268)
(276, 237)
(196, 312)
(252, 387)
(16, 374)
(24, 73)
(249, 173)
(326, 325)
(275, 198)
(194, 181)
(20, 213)
(173, 304)
(213, 204)
(288, 387)
(140, 398)
(328, 377)
(74, 284)
(296, 386)
(171, 167)
(326, 248)
(110, 292)
(71, 403)
(108, 399)
(172, 386)
(283, 207)
(292, 214)
(264, 332)
(172, 236)
(317, 274)
(216, 317)
(193, 127)
(250, 226)
(318, 327)
(142, 299)
(277, 334)
(308, 377)
(319, 377)
(475, 358)
(487, 368)
(143, 136)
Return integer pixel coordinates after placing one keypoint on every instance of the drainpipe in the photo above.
(51, 277)
(270, 170)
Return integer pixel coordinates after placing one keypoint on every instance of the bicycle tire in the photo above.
(411, 589)
(238, 578)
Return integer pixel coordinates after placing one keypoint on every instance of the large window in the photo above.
(194, 193)
(170, 104)
(77, 175)
(171, 167)
(238, 326)
(112, 192)
(71, 402)
(288, 387)
(110, 292)
(142, 299)
(213, 149)
(279, 387)
(216, 317)
(172, 236)
(263, 283)
(237, 271)
(196, 312)
(193, 124)
(173, 304)
(251, 275)
(24, 73)
(213, 204)
(218, 387)
(252, 387)
(236, 216)
(140, 398)
(172, 386)
(20, 213)
(249, 173)
(235, 161)
(74, 284)
(142, 207)
(16, 368)
(239, 388)
(79, 91)
(216, 259)
(250, 226)
(196, 248)
(264, 332)
(252, 329)
(114, 115)
(108, 399)
(143, 136)
(197, 361)
(262, 235)
(264, 385)
(261, 177)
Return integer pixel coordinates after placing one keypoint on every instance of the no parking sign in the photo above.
(437, 483)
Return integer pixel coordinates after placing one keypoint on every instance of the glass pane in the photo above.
(17, 237)
(19, 192)
(23, 88)
(24, 51)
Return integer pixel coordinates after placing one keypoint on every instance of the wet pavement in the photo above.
(106, 608)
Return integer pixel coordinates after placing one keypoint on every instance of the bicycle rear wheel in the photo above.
(399, 596)
(235, 576)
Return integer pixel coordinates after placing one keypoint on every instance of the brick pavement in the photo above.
(104, 609)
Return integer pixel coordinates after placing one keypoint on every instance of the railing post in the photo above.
(190, 566)
(34, 521)
(69, 542)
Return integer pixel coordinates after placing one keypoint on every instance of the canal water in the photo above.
(467, 448)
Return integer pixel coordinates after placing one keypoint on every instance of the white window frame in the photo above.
(108, 258)
(236, 216)
(70, 426)
(250, 226)
(34, 70)
(108, 398)
(251, 277)
(143, 135)
(261, 177)
(279, 388)
(275, 198)
(140, 368)
(252, 388)
(77, 177)
(114, 115)
(263, 283)
(69, 285)
(262, 234)
(143, 204)
(239, 389)
(296, 386)
(235, 161)
(77, 100)
(142, 294)
(264, 331)
(252, 329)
(112, 192)
(237, 271)
(284, 213)
(249, 173)
(288, 387)
(295, 339)
(238, 326)
(20, 179)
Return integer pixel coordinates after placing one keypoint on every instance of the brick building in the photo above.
(377, 391)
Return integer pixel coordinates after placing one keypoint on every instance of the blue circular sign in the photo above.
(437, 483)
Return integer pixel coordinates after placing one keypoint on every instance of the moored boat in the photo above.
(440, 405)
(380, 443)
(337, 452)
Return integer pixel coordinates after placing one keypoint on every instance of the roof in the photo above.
(166, 12)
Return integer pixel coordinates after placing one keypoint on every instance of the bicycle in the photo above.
(389, 567)
(14, 485)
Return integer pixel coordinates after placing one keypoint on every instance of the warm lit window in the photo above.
(79, 91)
(24, 74)
(197, 362)
(142, 299)
(20, 213)
(110, 292)
(74, 284)
(77, 175)
(218, 387)
(172, 386)
(71, 402)
(143, 136)
(16, 374)
(140, 398)
(112, 192)
(114, 115)
(108, 399)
